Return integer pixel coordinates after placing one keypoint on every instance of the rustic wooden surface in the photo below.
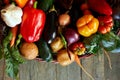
(97, 66)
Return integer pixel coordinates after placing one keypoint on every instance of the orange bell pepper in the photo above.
(87, 25)
(21, 3)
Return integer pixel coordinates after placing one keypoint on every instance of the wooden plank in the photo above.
(51, 71)
(88, 65)
(98, 67)
(38, 71)
(61, 72)
(95, 66)
(113, 74)
(3, 76)
(1, 69)
(74, 72)
(24, 71)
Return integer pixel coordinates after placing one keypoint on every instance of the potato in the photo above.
(56, 44)
(63, 57)
(29, 50)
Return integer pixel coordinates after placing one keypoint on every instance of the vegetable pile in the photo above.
(63, 31)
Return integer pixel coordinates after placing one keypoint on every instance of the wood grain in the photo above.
(87, 63)
(113, 74)
(97, 66)
(2, 73)
(74, 72)
(61, 73)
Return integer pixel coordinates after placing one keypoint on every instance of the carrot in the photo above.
(21, 3)
(14, 34)
(79, 63)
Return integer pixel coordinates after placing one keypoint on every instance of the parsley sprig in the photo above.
(12, 56)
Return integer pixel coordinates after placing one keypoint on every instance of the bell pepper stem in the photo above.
(35, 4)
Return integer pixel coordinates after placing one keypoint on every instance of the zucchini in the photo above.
(44, 50)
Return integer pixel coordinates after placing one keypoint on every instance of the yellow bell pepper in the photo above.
(87, 25)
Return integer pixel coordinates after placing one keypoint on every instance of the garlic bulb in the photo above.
(12, 15)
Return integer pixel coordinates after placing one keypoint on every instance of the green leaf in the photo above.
(92, 43)
(16, 54)
(13, 59)
(12, 68)
(18, 40)
(7, 39)
(12, 56)
(111, 42)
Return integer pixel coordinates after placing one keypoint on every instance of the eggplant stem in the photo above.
(79, 63)
(52, 9)
(108, 57)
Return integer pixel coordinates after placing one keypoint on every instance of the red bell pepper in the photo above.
(6, 1)
(105, 24)
(100, 6)
(78, 48)
(33, 22)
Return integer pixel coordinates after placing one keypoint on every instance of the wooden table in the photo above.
(97, 66)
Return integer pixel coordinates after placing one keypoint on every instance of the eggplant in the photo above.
(44, 51)
(50, 30)
(116, 27)
(116, 13)
(115, 5)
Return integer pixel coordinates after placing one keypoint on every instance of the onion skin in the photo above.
(64, 19)
(63, 57)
